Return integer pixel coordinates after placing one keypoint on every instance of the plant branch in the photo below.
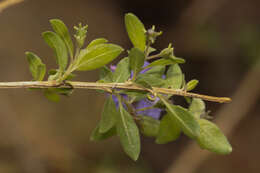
(105, 86)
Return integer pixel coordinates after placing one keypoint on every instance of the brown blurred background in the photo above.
(220, 39)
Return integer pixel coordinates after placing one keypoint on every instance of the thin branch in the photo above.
(105, 86)
(8, 3)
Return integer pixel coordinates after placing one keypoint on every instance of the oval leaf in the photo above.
(149, 126)
(128, 133)
(96, 42)
(212, 139)
(109, 115)
(61, 29)
(136, 31)
(59, 47)
(37, 68)
(184, 118)
(174, 77)
(137, 59)
(192, 84)
(97, 56)
(122, 72)
(169, 130)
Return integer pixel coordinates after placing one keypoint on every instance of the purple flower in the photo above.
(144, 103)
(154, 112)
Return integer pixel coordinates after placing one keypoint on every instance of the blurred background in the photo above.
(220, 39)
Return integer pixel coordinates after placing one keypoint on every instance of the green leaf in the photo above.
(97, 136)
(122, 72)
(169, 130)
(174, 77)
(157, 71)
(137, 59)
(61, 29)
(51, 95)
(54, 74)
(109, 114)
(148, 126)
(192, 84)
(134, 95)
(151, 50)
(105, 75)
(161, 62)
(136, 31)
(152, 77)
(197, 107)
(212, 139)
(184, 118)
(97, 56)
(96, 42)
(37, 68)
(177, 60)
(153, 81)
(59, 47)
(128, 133)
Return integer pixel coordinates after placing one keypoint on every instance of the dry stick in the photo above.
(8, 3)
(228, 118)
(105, 86)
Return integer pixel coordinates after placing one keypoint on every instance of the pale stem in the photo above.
(106, 86)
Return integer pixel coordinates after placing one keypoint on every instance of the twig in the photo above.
(103, 86)
(7, 3)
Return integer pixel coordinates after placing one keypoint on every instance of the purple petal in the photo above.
(113, 68)
(154, 112)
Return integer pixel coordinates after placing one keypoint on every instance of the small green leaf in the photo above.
(128, 133)
(97, 56)
(151, 50)
(137, 59)
(54, 74)
(163, 62)
(59, 47)
(37, 68)
(61, 29)
(192, 84)
(174, 77)
(122, 72)
(136, 31)
(184, 118)
(97, 136)
(51, 95)
(105, 75)
(157, 71)
(177, 60)
(148, 126)
(134, 95)
(109, 114)
(169, 130)
(149, 80)
(96, 42)
(212, 139)
(197, 107)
